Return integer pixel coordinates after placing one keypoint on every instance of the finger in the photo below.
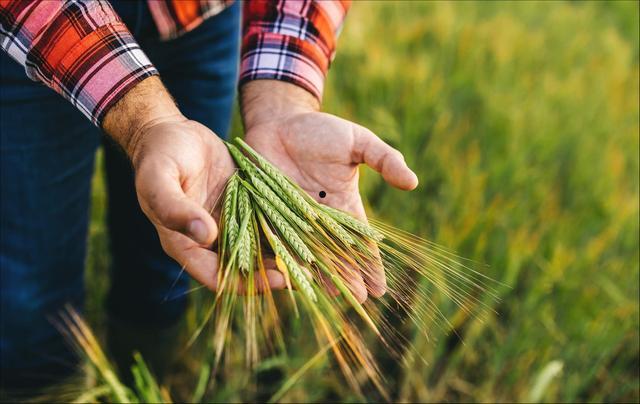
(328, 285)
(373, 273)
(201, 263)
(272, 280)
(371, 150)
(269, 262)
(163, 200)
(373, 270)
(276, 279)
(355, 282)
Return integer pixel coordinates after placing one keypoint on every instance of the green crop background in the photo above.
(522, 122)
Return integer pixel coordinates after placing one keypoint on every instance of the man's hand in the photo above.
(181, 168)
(321, 152)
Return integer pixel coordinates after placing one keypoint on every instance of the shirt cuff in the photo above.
(282, 57)
(99, 69)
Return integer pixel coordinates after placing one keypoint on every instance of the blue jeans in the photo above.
(47, 153)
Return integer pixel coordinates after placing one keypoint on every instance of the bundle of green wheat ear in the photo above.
(319, 250)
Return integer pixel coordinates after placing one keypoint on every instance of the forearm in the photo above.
(267, 100)
(283, 70)
(51, 39)
(148, 103)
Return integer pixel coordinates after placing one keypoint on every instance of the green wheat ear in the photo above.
(296, 272)
(285, 230)
(229, 217)
(280, 205)
(297, 200)
(245, 252)
(353, 223)
(335, 228)
(253, 175)
(241, 160)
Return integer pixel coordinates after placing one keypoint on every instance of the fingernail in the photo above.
(416, 181)
(198, 231)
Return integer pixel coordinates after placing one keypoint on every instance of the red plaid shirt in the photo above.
(82, 50)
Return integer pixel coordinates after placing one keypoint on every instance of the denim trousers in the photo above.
(47, 156)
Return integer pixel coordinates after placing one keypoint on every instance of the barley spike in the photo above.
(336, 228)
(244, 251)
(353, 223)
(268, 170)
(242, 161)
(286, 231)
(295, 270)
(277, 203)
(229, 210)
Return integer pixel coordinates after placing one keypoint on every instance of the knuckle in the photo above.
(397, 155)
(163, 213)
(391, 156)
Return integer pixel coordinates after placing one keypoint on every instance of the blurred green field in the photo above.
(522, 122)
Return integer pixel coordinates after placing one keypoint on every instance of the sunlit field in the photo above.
(521, 120)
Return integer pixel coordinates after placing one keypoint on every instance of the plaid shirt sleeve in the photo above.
(291, 40)
(79, 48)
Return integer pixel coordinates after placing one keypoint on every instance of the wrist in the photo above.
(145, 105)
(263, 101)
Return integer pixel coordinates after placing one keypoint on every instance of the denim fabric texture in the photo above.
(47, 157)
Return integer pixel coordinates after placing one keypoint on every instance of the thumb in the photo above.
(165, 203)
(371, 150)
